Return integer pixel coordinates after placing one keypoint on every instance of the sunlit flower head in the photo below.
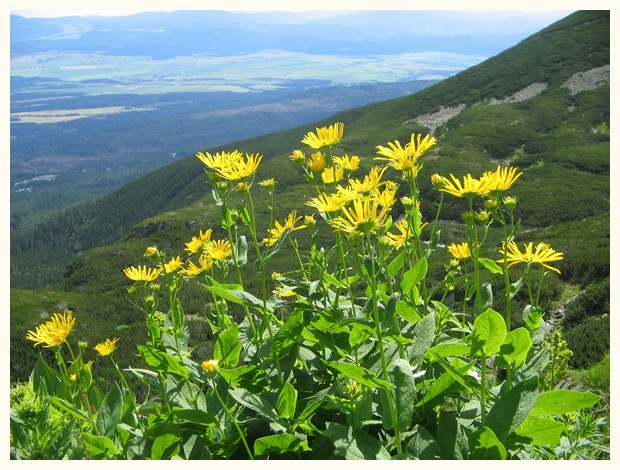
(275, 275)
(218, 160)
(151, 252)
(173, 265)
(211, 367)
(290, 224)
(333, 174)
(460, 250)
(348, 163)
(285, 293)
(541, 254)
(309, 221)
(328, 202)
(193, 270)
(73, 377)
(53, 332)
(239, 168)
(387, 197)
(501, 179)
(297, 156)
(107, 347)
(317, 162)
(438, 181)
(405, 232)
(218, 249)
(470, 188)
(199, 243)
(242, 187)
(324, 136)
(370, 183)
(142, 273)
(268, 184)
(405, 158)
(365, 216)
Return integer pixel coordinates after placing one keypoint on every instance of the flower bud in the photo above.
(510, 202)
(132, 290)
(268, 184)
(469, 218)
(221, 186)
(151, 252)
(353, 390)
(298, 157)
(83, 345)
(438, 181)
(309, 221)
(242, 187)
(149, 299)
(211, 367)
(491, 203)
(275, 275)
(408, 203)
(482, 216)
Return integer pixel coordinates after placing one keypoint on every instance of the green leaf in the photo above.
(229, 218)
(407, 312)
(485, 300)
(451, 437)
(404, 394)
(491, 265)
(196, 448)
(489, 333)
(541, 431)
(195, 416)
(227, 347)
(396, 264)
(288, 335)
(557, 402)
(387, 320)
(360, 375)
(183, 393)
(44, 378)
(255, 402)
(413, 276)
(278, 443)
(451, 349)
(66, 406)
(438, 386)
(423, 336)
(422, 445)
(512, 408)
(354, 443)
(163, 362)
(287, 401)
(166, 442)
(242, 251)
(515, 287)
(244, 375)
(513, 351)
(484, 445)
(99, 447)
(109, 414)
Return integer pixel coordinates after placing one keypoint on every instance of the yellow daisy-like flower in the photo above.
(219, 160)
(297, 156)
(142, 273)
(387, 197)
(53, 332)
(268, 184)
(398, 240)
(199, 243)
(460, 251)
(317, 162)
(275, 275)
(470, 188)
(204, 264)
(211, 367)
(333, 174)
(173, 265)
(219, 249)
(370, 183)
(283, 294)
(501, 179)
(73, 377)
(107, 347)
(151, 252)
(542, 254)
(328, 202)
(324, 136)
(239, 168)
(278, 230)
(438, 181)
(366, 216)
(348, 163)
(405, 158)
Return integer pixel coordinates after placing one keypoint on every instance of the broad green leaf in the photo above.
(99, 447)
(196, 448)
(451, 437)
(404, 394)
(227, 347)
(195, 416)
(255, 402)
(288, 335)
(354, 443)
(407, 312)
(515, 287)
(557, 402)
(451, 349)
(396, 264)
(287, 401)
(229, 218)
(485, 300)
(163, 362)
(360, 375)
(334, 281)
(541, 431)
(422, 445)
(44, 378)
(488, 334)
(387, 319)
(512, 408)
(456, 372)
(513, 351)
(413, 276)
(423, 336)
(438, 386)
(183, 393)
(534, 367)
(491, 265)
(279, 444)
(109, 414)
(484, 445)
(166, 442)
(244, 376)
(242, 251)
(66, 406)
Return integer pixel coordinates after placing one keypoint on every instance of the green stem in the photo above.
(483, 373)
(232, 418)
(475, 250)
(120, 373)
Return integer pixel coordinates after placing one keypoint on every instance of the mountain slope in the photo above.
(515, 108)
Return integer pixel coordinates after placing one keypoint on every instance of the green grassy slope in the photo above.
(557, 139)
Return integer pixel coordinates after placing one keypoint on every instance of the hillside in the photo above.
(542, 106)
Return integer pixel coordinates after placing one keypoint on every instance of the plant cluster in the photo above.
(352, 355)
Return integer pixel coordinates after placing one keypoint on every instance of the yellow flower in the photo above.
(219, 249)
(316, 162)
(333, 174)
(470, 188)
(239, 168)
(73, 377)
(53, 332)
(405, 158)
(348, 163)
(325, 136)
(460, 251)
(204, 264)
(173, 265)
(542, 254)
(405, 233)
(501, 179)
(387, 197)
(242, 187)
(268, 184)
(371, 182)
(219, 160)
(328, 202)
(297, 156)
(142, 273)
(107, 347)
(211, 367)
(285, 293)
(151, 252)
(275, 275)
(309, 221)
(366, 216)
(438, 181)
(278, 230)
(198, 243)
